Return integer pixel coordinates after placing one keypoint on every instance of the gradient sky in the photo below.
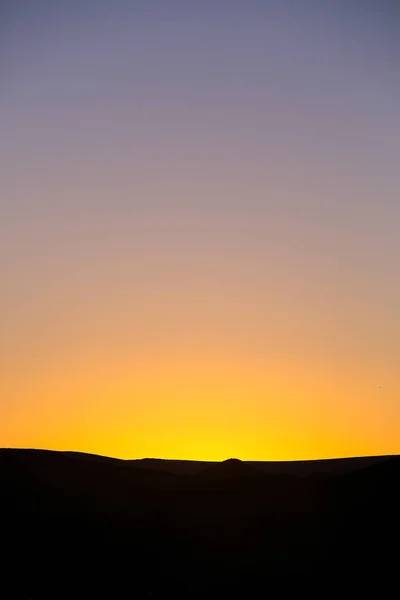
(200, 227)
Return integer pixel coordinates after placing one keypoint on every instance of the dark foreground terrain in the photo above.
(82, 526)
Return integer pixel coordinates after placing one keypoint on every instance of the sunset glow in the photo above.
(199, 230)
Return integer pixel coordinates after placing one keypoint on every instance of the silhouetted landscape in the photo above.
(82, 526)
(199, 241)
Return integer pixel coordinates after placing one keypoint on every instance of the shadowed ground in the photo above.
(78, 525)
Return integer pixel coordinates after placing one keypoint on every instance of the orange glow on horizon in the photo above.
(208, 411)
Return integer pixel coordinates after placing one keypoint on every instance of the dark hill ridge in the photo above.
(186, 467)
(231, 468)
(78, 525)
(298, 467)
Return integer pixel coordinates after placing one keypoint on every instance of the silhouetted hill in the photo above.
(229, 469)
(83, 526)
(329, 466)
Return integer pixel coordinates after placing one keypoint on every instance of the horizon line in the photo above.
(199, 460)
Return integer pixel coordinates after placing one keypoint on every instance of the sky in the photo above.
(200, 228)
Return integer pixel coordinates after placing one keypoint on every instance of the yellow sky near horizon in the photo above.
(204, 411)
